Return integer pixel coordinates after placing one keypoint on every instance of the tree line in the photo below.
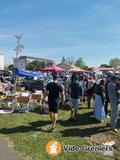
(79, 62)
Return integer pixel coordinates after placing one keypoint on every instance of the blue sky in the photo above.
(56, 28)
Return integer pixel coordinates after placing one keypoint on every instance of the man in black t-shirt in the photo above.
(54, 91)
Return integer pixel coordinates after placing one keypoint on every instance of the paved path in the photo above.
(7, 153)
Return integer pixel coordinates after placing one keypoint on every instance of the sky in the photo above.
(55, 28)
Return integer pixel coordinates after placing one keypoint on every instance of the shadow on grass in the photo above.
(82, 119)
(65, 107)
(34, 126)
(87, 132)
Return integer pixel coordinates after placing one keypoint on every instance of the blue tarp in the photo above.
(24, 73)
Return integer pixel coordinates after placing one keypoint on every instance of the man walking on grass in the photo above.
(55, 92)
(75, 90)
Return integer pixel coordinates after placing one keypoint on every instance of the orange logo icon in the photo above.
(53, 148)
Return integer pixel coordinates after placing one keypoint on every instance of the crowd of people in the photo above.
(77, 89)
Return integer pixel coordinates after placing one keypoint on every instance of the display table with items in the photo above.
(21, 100)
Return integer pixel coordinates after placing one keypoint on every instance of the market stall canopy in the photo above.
(95, 69)
(76, 69)
(24, 73)
(53, 68)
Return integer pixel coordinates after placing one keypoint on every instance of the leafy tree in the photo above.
(63, 60)
(85, 67)
(80, 63)
(115, 62)
(37, 65)
(105, 66)
(6, 71)
(70, 60)
(10, 67)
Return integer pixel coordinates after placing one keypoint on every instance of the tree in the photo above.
(70, 60)
(105, 66)
(6, 71)
(37, 65)
(115, 62)
(63, 60)
(80, 63)
(85, 67)
(10, 67)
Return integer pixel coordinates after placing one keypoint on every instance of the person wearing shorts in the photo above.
(75, 93)
(54, 91)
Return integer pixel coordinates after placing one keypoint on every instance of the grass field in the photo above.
(25, 133)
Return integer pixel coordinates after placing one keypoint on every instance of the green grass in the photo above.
(23, 132)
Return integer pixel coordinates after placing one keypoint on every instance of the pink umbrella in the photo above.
(53, 68)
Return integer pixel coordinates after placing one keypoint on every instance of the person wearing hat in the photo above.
(114, 103)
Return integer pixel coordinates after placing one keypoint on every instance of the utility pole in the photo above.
(19, 46)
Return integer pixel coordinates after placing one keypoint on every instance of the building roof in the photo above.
(69, 66)
(26, 57)
(65, 65)
(106, 69)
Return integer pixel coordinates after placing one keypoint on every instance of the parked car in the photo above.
(39, 84)
(32, 85)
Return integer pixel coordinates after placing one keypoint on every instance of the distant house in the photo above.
(66, 66)
(104, 70)
(22, 61)
(94, 69)
(2, 62)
